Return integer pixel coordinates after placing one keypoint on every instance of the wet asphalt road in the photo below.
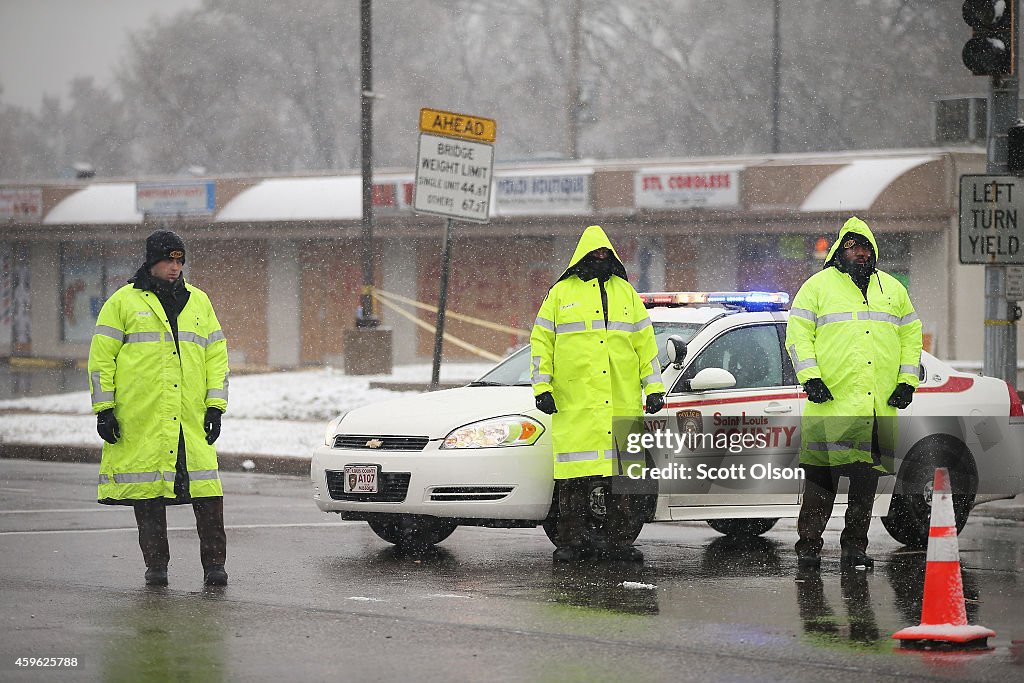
(315, 598)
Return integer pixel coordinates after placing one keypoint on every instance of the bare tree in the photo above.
(273, 87)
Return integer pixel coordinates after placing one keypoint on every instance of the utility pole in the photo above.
(1000, 326)
(573, 89)
(1000, 323)
(776, 74)
(366, 317)
(368, 349)
(991, 52)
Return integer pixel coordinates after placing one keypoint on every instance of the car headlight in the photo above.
(332, 429)
(497, 432)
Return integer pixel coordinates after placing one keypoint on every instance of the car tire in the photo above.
(909, 517)
(742, 527)
(596, 520)
(412, 532)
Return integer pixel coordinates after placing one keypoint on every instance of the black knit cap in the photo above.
(164, 244)
(857, 238)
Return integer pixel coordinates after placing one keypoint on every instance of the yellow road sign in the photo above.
(455, 125)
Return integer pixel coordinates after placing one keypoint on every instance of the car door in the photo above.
(747, 453)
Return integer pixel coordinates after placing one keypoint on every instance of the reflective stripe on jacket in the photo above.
(861, 348)
(597, 372)
(135, 368)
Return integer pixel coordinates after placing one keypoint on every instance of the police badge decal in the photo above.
(690, 423)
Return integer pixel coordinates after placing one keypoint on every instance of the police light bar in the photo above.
(751, 301)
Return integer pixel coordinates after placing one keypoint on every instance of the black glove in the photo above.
(901, 396)
(655, 402)
(211, 423)
(546, 403)
(107, 427)
(817, 392)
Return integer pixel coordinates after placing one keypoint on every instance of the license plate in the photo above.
(361, 478)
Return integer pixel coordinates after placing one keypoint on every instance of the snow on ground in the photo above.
(280, 413)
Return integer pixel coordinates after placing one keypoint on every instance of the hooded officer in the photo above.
(158, 375)
(593, 351)
(855, 341)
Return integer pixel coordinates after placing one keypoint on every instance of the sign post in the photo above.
(454, 168)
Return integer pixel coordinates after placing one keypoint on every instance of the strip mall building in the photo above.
(280, 257)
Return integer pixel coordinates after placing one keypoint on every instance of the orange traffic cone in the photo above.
(943, 613)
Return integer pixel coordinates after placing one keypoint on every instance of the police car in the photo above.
(724, 449)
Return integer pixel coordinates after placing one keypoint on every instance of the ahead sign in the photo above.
(454, 166)
(455, 125)
(991, 215)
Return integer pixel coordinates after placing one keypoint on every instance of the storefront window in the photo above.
(88, 277)
(117, 270)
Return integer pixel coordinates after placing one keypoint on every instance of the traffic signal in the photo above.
(991, 49)
(1015, 148)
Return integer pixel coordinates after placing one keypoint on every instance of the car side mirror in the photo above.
(675, 348)
(712, 378)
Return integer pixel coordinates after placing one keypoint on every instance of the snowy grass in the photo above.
(279, 413)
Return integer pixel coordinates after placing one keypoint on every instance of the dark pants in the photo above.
(820, 487)
(151, 516)
(574, 529)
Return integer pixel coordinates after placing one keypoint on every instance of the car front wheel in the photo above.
(909, 517)
(598, 497)
(412, 532)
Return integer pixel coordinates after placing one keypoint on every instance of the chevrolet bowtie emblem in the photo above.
(374, 443)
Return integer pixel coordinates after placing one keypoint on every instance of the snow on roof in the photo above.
(856, 186)
(297, 199)
(101, 203)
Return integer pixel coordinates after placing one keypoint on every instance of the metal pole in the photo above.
(366, 317)
(573, 128)
(442, 302)
(776, 75)
(1000, 327)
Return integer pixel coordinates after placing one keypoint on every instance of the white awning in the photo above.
(297, 199)
(102, 203)
(856, 186)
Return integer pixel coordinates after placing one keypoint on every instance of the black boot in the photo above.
(156, 576)
(215, 575)
(807, 559)
(855, 557)
(815, 510)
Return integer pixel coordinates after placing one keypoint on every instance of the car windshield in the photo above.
(515, 370)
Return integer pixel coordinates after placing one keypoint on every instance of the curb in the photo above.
(229, 462)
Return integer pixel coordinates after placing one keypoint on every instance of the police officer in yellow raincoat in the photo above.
(594, 355)
(855, 341)
(158, 374)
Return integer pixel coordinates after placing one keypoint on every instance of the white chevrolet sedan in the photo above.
(480, 455)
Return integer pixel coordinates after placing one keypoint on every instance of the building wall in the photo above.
(399, 276)
(46, 308)
(284, 304)
(6, 297)
(287, 290)
(234, 274)
(330, 283)
(928, 290)
(499, 280)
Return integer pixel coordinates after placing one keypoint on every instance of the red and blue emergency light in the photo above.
(749, 301)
